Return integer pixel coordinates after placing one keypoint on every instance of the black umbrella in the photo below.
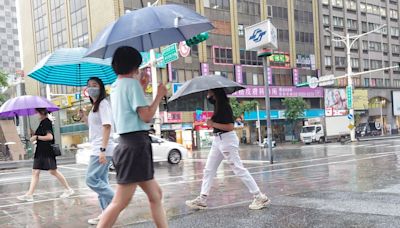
(197, 88)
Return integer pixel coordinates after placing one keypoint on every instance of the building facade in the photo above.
(10, 61)
(373, 99)
(51, 24)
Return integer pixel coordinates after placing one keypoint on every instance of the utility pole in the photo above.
(349, 42)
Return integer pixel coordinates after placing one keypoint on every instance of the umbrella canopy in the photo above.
(68, 66)
(198, 87)
(148, 28)
(25, 106)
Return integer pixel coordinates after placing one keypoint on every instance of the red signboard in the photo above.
(171, 117)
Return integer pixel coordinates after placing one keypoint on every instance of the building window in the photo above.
(240, 29)
(375, 46)
(304, 37)
(255, 79)
(395, 49)
(351, 24)
(217, 4)
(327, 40)
(250, 58)
(376, 64)
(337, 3)
(280, 12)
(328, 61)
(396, 83)
(355, 63)
(387, 82)
(366, 64)
(41, 30)
(325, 20)
(393, 14)
(325, 2)
(338, 22)
(58, 20)
(351, 5)
(248, 8)
(366, 82)
(79, 23)
(283, 35)
(340, 61)
(394, 31)
(222, 55)
(379, 82)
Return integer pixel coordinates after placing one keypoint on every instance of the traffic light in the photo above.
(197, 39)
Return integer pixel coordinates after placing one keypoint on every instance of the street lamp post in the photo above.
(349, 42)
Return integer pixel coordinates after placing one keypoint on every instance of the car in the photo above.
(163, 150)
(266, 145)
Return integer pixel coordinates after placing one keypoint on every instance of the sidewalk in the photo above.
(371, 138)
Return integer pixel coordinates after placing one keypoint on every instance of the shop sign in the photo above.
(396, 103)
(171, 117)
(202, 116)
(279, 58)
(360, 99)
(279, 92)
(305, 61)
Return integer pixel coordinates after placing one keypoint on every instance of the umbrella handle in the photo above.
(166, 103)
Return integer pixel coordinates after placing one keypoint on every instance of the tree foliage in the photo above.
(239, 108)
(295, 108)
(3, 84)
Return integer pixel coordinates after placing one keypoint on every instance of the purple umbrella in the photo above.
(25, 106)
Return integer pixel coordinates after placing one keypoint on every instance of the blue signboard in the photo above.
(280, 114)
(175, 87)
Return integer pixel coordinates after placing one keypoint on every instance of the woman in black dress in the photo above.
(44, 158)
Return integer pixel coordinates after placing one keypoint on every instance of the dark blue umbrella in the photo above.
(148, 28)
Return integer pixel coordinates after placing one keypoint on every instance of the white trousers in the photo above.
(226, 146)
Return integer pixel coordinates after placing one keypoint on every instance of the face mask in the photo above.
(211, 100)
(93, 92)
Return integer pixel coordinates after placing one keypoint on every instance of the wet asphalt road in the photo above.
(321, 185)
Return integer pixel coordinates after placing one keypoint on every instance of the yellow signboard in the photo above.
(351, 126)
(360, 99)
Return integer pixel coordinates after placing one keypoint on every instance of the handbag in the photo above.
(55, 148)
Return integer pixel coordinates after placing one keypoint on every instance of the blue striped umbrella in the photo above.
(68, 66)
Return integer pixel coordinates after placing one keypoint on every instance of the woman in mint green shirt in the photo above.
(133, 157)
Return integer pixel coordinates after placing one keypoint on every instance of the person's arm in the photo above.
(84, 117)
(146, 113)
(47, 137)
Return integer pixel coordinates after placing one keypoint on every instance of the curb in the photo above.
(28, 163)
(379, 138)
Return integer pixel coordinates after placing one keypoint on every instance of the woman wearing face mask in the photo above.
(100, 124)
(44, 158)
(225, 146)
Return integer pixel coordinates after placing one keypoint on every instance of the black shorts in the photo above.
(133, 158)
(45, 163)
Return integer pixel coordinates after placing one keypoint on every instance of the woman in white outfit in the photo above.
(100, 124)
(225, 146)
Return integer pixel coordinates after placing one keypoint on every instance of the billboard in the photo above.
(335, 102)
(360, 99)
(396, 103)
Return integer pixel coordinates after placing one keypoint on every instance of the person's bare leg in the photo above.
(154, 194)
(34, 181)
(122, 197)
(60, 177)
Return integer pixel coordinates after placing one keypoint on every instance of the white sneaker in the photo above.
(28, 198)
(259, 202)
(94, 221)
(67, 193)
(198, 203)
